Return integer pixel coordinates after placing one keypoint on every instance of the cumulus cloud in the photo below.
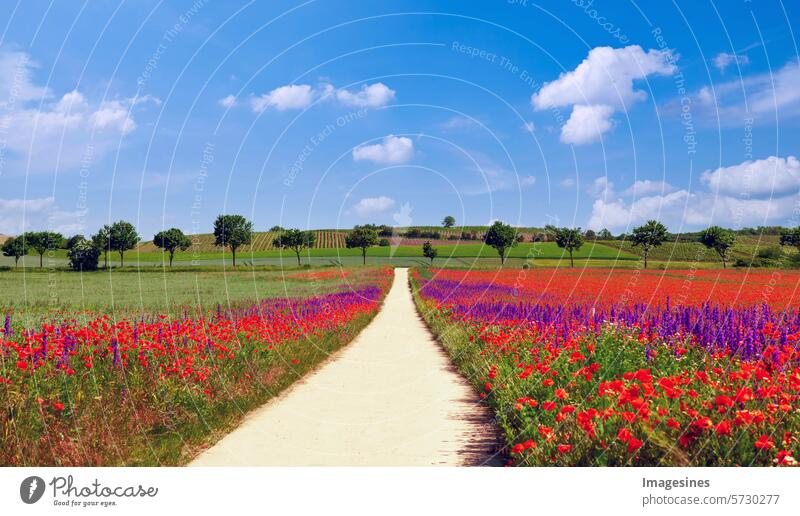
(293, 96)
(370, 95)
(373, 205)
(37, 214)
(770, 176)
(602, 84)
(587, 124)
(49, 132)
(227, 101)
(300, 96)
(724, 60)
(393, 149)
(567, 183)
(736, 196)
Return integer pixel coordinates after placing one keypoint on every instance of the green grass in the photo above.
(152, 289)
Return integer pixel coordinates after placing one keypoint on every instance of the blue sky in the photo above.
(332, 113)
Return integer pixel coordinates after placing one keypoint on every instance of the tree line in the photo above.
(234, 231)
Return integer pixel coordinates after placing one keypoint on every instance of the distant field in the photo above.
(153, 290)
(746, 247)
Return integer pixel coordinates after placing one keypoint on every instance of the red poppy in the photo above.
(764, 443)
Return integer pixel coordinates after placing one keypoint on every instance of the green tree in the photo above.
(42, 241)
(649, 235)
(720, 240)
(428, 251)
(172, 240)
(791, 237)
(232, 231)
(122, 237)
(71, 241)
(296, 240)
(449, 221)
(102, 242)
(502, 237)
(570, 240)
(15, 247)
(83, 256)
(276, 229)
(362, 237)
(604, 234)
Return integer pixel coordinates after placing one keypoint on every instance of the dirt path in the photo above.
(390, 398)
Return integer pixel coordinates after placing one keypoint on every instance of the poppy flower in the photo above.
(764, 443)
(564, 448)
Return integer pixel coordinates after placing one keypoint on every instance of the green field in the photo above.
(153, 290)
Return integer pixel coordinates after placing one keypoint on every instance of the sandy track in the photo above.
(390, 398)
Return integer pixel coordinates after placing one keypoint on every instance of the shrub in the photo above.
(383, 242)
(83, 256)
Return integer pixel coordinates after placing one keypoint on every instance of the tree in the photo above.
(15, 247)
(604, 234)
(651, 234)
(42, 241)
(295, 240)
(791, 237)
(571, 240)
(122, 236)
(449, 221)
(102, 242)
(590, 235)
(361, 237)
(720, 240)
(71, 241)
(276, 229)
(428, 251)
(83, 256)
(232, 231)
(171, 240)
(502, 237)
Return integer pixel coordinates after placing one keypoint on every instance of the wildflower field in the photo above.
(628, 367)
(141, 369)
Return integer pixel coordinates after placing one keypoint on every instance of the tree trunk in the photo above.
(364, 254)
(105, 259)
(122, 258)
(297, 252)
(16, 261)
(571, 261)
(41, 258)
(171, 253)
(233, 251)
(645, 259)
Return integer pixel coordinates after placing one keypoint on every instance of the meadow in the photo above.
(131, 368)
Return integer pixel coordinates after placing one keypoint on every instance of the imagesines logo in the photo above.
(31, 489)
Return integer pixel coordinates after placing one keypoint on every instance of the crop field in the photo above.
(745, 248)
(143, 368)
(618, 368)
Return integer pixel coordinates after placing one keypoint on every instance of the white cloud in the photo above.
(458, 122)
(370, 95)
(393, 149)
(726, 201)
(527, 181)
(606, 76)
(602, 84)
(769, 96)
(567, 183)
(646, 187)
(293, 96)
(724, 59)
(601, 187)
(228, 101)
(38, 214)
(770, 176)
(587, 124)
(48, 133)
(373, 205)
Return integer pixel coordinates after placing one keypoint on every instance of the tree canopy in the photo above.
(296, 240)
(429, 251)
(42, 241)
(122, 236)
(649, 235)
(449, 221)
(362, 237)
(15, 248)
(502, 237)
(720, 240)
(232, 231)
(569, 239)
(172, 240)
